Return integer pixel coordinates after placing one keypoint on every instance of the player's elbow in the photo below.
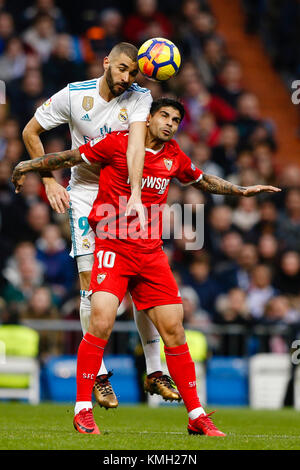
(32, 129)
(26, 133)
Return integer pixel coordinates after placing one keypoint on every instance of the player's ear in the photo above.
(105, 63)
(148, 120)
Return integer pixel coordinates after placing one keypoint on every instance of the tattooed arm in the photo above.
(51, 161)
(216, 185)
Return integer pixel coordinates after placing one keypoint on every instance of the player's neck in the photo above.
(153, 143)
(104, 90)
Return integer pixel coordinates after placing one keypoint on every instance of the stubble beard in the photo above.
(111, 84)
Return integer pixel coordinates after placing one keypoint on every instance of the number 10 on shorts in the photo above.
(106, 259)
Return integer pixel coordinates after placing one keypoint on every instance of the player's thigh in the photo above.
(82, 236)
(155, 284)
(168, 320)
(111, 270)
(84, 267)
(104, 306)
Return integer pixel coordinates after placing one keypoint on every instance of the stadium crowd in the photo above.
(248, 272)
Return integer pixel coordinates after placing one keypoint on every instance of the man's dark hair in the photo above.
(164, 102)
(124, 48)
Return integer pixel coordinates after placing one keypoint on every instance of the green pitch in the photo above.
(49, 426)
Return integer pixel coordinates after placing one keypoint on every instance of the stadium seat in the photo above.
(59, 376)
(227, 381)
(19, 367)
(268, 378)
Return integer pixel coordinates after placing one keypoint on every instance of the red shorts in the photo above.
(147, 276)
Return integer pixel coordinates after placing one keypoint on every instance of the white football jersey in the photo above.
(88, 115)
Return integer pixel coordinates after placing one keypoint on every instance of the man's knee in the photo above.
(173, 334)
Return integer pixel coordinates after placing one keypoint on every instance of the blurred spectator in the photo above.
(21, 284)
(193, 314)
(220, 222)
(40, 307)
(239, 275)
(225, 154)
(260, 291)
(263, 154)
(40, 37)
(232, 309)
(229, 86)
(201, 156)
(47, 7)
(246, 215)
(37, 218)
(199, 277)
(289, 222)
(14, 151)
(58, 265)
(231, 246)
(198, 103)
(287, 279)
(290, 176)
(7, 29)
(249, 117)
(268, 250)
(24, 97)
(13, 60)
(268, 221)
(61, 69)
(100, 39)
(279, 310)
(146, 22)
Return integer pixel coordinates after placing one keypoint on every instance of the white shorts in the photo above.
(82, 236)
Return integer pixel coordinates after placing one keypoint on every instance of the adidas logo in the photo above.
(86, 117)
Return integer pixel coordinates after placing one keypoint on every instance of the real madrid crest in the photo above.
(86, 244)
(123, 116)
(87, 103)
(101, 277)
(168, 163)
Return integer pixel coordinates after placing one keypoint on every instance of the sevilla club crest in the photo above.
(168, 163)
(101, 277)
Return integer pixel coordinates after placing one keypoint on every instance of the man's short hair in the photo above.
(167, 102)
(124, 48)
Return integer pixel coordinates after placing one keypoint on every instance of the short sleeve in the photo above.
(187, 172)
(55, 111)
(141, 108)
(100, 149)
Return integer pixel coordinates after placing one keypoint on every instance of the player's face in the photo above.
(164, 123)
(120, 73)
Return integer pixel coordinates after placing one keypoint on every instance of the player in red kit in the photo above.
(128, 258)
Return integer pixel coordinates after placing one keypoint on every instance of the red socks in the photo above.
(89, 358)
(182, 371)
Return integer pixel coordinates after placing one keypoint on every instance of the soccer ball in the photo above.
(159, 59)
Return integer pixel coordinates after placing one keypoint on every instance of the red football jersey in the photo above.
(107, 217)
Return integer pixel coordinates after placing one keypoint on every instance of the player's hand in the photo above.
(18, 177)
(134, 204)
(57, 195)
(260, 188)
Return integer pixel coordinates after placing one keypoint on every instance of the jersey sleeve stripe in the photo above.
(83, 84)
(193, 182)
(86, 88)
(85, 159)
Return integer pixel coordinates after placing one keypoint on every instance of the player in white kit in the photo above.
(94, 108)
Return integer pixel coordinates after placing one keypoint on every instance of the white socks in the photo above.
(196, 412)
(85, 314)
(150, 341)
(81, 405)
